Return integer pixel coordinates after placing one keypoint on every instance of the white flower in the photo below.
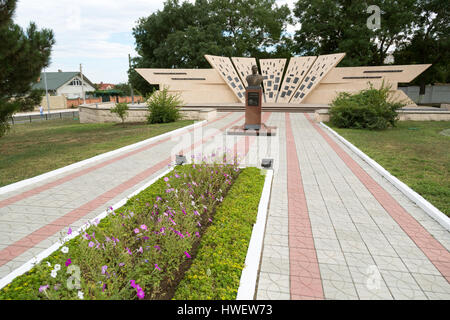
(64, 249)
(49, 264)
(54, 273)
(80, 295)
(57, 267)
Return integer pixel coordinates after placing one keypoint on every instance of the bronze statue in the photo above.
(255, 79)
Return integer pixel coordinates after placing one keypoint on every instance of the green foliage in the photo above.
(150, 240)
(369, 109)
(121, 109)
(216, 270)
(430, 43)
(23, 54)
(179, 35)
(163, 107)
(330, 26)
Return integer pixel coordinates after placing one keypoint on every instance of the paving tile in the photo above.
(367, 292)
(273, 282)
(305, 286)
(339, 290)
(432, 283)
(420, 266)
(273, 265)
(272, 295)
(437, 295)
(277, 252)
(358, 259)
(325, 233)
(335, 272)
(331, 257)
(407, 294)
(399, 280)
(353, 246)
(390, 263)
(276, 239)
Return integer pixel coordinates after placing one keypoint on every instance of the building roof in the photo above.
(105, 86)
(57, 79)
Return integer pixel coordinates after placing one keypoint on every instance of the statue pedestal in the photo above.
(253, 103)
(253, 109)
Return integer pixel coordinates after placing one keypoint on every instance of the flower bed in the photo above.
(143, 249)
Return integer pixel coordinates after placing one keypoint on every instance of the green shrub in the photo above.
(143, 247)
(369, 109)
(121, 109)
(163, 107)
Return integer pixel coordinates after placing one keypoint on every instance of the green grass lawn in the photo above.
(414, 152)
(35, 148)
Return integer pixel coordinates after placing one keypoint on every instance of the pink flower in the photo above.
(91, 244)
(129, 252)
(171, 220)
(133, 283)
(69, 232)
(43, 288)
(156, 267)
(157, 247)
(187, 255)
(68, 262)
(176, 175)
(143, 227)
(166, 179)
(104, 268)
(140, 250)
(141, 294)
(197, 234)
(136, 230)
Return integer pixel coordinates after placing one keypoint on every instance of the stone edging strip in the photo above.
(27, 266)
(431, 210)
(247, 285)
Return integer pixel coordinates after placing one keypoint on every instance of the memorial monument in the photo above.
(253, 108)
(253, 100)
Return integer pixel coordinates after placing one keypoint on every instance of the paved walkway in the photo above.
(336, 229)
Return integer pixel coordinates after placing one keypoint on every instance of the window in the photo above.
(75, 82)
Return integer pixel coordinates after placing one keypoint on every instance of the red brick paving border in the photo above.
(82, 172)
(432, 248)
(14, 250)
(305, 278)
(27, 242)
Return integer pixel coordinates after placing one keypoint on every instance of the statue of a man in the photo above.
(254, 79)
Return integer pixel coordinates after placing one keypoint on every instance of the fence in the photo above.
(78, 101)
(46, 116)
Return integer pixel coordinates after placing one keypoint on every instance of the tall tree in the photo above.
(179, 35)
(23, 54)
(331, 26)
(430, 43)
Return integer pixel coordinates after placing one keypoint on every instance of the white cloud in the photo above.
(86, 32)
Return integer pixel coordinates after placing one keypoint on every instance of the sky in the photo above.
(94, 33)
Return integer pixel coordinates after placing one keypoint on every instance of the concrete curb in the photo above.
(27, 266)
(47, 175)
(431, 210)
(247, 285)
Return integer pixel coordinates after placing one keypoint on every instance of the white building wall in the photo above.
(73, 92)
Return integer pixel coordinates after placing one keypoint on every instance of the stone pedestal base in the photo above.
(263, 131)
